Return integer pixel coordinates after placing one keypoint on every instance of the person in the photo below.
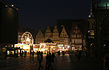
(32, 58)
(53, 56)
(41, 56)
(25, 54)
(38, 54)
(59, 53)
(33, 53)
(22, 53)
(39, 60)
(11, 53)
(63, 53)
(79, 55)
(47, 57)
(106, 62)
(48, 61)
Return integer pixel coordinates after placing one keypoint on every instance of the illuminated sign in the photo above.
(60, 45)
(22, 46)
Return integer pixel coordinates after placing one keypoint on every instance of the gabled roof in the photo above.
(48, 29)
(39, 34)
(55, 29)
(64, 31)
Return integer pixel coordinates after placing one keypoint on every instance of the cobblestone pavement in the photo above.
(73, 63)
(61, 63)
(21, 63)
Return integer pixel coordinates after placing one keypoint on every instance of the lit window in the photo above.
(19, 36)
(89, 16)
(12, 5)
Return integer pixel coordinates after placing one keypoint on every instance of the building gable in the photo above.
(63, 32)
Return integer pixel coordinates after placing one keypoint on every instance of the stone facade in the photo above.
(55, 37)
(64, 38)
(76, 38)
(39, 37)
(48, 33)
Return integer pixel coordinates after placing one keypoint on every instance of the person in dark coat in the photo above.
(48, 61)
(63, 53)
(52, 57)
(106, 62)
(25, 53)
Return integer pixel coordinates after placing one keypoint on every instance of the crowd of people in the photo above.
(51, 56)
(49, 60)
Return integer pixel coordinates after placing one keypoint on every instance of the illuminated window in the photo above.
(92, 32)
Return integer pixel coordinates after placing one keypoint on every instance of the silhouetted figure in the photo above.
(63, 53)
(11, 54)
(53, 56)
(38, 54)
(47, 57)
(78, 55)
(107, 63)
(22, 53)
(25, 53)
(33, 53)
(32, 58)
(48, 61)
(40, 58)
(59, 53)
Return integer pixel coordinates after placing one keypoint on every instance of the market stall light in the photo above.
(6, 5)
(68, 46)
(63, 47)
(42, 49)
(42, 44)
(26, 46)
(7, 52)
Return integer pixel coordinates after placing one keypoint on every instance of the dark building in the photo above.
(99, 26)
(102, 25)
(8, 23)
(91, 41)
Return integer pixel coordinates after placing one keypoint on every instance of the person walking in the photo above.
(25, 53)
(40, 61)
(48, 61)
(52, 57)
(106, 62)
(79, 55)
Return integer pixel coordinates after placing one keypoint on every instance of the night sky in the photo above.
(41, 13)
